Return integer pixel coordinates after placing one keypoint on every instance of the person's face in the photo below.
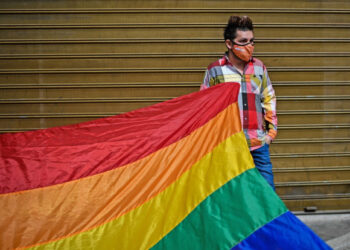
(243, 37)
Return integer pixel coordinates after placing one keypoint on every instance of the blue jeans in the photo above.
(261, 157)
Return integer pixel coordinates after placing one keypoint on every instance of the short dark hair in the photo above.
(237, 23)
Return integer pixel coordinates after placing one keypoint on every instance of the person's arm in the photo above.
(268, 99)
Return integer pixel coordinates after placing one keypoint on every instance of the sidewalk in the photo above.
(333, 227)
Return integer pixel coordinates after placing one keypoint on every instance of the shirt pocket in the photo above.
(254, 83)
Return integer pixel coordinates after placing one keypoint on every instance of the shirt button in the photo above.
(245, 104)
(245, 118)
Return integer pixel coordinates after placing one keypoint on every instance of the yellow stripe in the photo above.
(146, 225)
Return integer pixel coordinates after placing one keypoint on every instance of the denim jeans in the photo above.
(261, 157)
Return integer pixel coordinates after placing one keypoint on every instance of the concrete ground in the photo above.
(333, 227)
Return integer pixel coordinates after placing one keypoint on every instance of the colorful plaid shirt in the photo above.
(257, 100)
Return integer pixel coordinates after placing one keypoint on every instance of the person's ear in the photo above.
(228, 43)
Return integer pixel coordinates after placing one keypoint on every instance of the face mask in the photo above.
(243, 52)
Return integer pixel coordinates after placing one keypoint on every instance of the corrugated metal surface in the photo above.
(63, 62)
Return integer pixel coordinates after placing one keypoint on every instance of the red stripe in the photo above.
(56, 155)
(252, 114)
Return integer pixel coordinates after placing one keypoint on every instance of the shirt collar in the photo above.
(226, 61)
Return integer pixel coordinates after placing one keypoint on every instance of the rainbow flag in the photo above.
(175, 175)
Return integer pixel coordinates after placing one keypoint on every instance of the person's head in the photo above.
(239, 37)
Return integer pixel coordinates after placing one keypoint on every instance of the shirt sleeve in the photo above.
(269, 105)
(207, 80)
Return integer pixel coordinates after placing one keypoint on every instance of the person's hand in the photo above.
(268, 139)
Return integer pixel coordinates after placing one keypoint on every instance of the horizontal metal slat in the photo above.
(99, 115)
(312, 183)
(307, 174)
(325, 159)
(86, 100)
(174, 10)
(313, 126)
(302, 145)
(160, 84)
(313, 140)
(167, 4)
(162, 47)
(145, 95)
(166, 91)
(153, 70)
(312, 112)
(170, 25)
(304, 118)
(313, 188)
(321, 97)
(169, 55)
(280, 127)
(310, 155)
(160, 99)
(55, 115)
(323, 202)
(163, 75)
(98, 105)
(176, 61)
(101, 85)
(311, 169)
(168, 17)
(172, 40)
(311, 131)
(314, 196)
(171, 32)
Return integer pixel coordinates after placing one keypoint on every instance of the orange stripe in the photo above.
(56, 211)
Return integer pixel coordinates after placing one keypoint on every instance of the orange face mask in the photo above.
(243, 52)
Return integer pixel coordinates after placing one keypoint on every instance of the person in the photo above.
(257, 100)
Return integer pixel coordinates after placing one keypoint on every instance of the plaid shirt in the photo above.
(257, 100)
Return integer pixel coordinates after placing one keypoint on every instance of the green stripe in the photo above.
(227, 216)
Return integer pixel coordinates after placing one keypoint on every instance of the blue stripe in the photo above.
(284, 232)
